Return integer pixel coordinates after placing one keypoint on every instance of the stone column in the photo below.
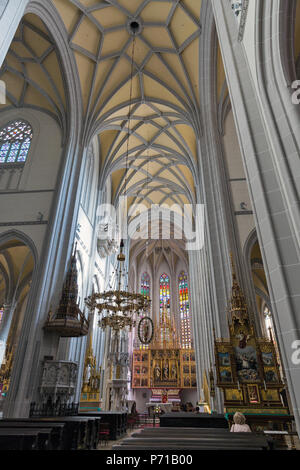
(11, 13)
(50, 268)
(268, 127)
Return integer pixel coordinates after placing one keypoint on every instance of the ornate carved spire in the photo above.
(238, 308)
(69, 321)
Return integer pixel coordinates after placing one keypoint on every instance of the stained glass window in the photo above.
(145, 285)
(15, 141)
(164, 293)
(1, 314)
(186, 340)
(145, 290)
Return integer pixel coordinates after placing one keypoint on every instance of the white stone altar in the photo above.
(165, 407)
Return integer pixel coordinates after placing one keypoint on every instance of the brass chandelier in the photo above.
(118, 307)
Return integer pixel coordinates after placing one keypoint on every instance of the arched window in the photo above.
(185, 325)
(164, 293)
(145, 290)
(15, 141)
(145, 284)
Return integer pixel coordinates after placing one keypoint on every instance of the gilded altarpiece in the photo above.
(246, 366)
(164, 364)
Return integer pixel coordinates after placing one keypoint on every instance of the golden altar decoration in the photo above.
(6, 368)
(246, 365)
(90, 392)
(164, 363)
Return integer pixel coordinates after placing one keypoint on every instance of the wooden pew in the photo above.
(77, 433)
(117, 421)
(194, 438)
(25, 439)
(80, 432)
(55, 430)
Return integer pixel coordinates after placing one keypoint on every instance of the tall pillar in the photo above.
(268, 127)
(11, 13)
(50, 267)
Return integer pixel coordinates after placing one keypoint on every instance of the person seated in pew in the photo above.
(239, 423)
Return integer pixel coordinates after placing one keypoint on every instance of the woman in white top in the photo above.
(239, 423)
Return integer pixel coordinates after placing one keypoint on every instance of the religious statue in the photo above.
(166, 371)
(243, 339)
(174, 372)
(157, 372)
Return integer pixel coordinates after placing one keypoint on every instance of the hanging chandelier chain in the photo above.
(129, 113)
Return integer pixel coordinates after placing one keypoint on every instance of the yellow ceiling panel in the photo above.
(13, 62)
(166, 141)
(54, 69)
(122, 96)
(140, 51)
(35, 98)
(193, 6)
(175, 64)
(120, 73)
(186, 172)
(89, 3)
(191, 59)
(116, 178)
(158, 69)
(156, 12)
(109, 17)
(37, 22)
(87, 36)
(113, 42)
(153, 89)
(85, 69)
(158, 37)
(21, 50)
(68, 12)
(37, 43)
(131, 5)
(35, 72)
(189, 136)
(182, 26)
(147, 131)
(106, 140)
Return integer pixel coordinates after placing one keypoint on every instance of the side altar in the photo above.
(248, 370)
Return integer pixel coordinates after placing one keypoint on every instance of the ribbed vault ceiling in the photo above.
(32, 71)
(154, 137)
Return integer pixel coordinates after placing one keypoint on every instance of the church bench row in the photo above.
(197, 438)
(25, 439)
(211, 441)
(117, 421)
(67, 433)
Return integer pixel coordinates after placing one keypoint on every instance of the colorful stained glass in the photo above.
(145, 285)
(1, 314)
(145, 290)
(15, 141)
(164, 293)
(186, 340)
